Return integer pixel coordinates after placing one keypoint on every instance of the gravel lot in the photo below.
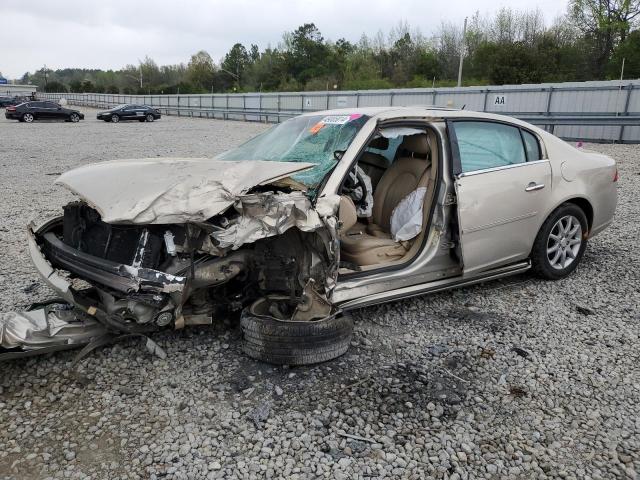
(519, 378)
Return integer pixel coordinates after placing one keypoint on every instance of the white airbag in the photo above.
(406, 218)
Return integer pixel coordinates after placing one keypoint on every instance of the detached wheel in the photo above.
(286, 342)
(115, 118)
(150, 118)
(28, 117)
(560, 243)
(74, 117)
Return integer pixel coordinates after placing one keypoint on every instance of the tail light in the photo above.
(11, 109)
(615, 175)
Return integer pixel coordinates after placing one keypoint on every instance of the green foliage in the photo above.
(510, 48)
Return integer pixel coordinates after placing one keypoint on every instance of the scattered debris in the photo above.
(582, 310)
(260, 414)
(356, 437)
(520, 351)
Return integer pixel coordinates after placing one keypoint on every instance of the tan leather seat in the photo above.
(373, 244)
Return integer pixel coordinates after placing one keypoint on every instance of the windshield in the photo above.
(312, 139)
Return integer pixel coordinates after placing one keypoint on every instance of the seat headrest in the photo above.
(380, 143)
(417, 144)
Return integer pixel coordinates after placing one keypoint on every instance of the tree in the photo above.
(604, 24)
(201, 71)
(55, 86)
(629, 50)
(235, 62)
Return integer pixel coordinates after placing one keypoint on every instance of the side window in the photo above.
(488, 145)
(390, 152)
(532, 146)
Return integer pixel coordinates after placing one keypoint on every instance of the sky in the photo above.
(110, 34)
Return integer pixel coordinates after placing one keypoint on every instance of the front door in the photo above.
(502, 186)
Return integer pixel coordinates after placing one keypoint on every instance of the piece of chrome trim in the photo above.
(503, 167)
(433, 287)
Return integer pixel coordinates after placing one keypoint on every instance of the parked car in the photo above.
(7, 101)
(321, 214)
(42, 110)
(142, 113)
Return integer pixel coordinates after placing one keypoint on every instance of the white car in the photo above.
(322, 213)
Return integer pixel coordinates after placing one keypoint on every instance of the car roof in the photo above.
(428, 111)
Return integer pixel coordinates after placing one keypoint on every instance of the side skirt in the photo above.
(438, 286)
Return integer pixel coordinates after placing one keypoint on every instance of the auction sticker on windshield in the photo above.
(339, 119)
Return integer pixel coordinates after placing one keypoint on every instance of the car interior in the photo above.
(398, 161)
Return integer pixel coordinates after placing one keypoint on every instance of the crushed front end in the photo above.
(141, 277)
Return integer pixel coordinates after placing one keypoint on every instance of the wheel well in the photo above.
(586, 207)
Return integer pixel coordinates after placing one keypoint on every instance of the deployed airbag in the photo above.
(406, 218)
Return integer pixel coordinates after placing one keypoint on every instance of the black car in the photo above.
(42, 110)
(142, 113)
(6, 101)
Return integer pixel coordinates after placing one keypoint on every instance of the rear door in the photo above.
(502, 186)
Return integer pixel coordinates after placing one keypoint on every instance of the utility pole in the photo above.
(464, 35)
(45, 77)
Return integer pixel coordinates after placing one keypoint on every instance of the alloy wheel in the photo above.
(150, 118)
(28, 117)
(75, 117)
(564, 242)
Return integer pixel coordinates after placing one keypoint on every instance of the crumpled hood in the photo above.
(170, 190)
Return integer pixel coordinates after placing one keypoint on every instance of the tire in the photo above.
(115, 118)
(28, 117)
(74, 117)
(282, 342)
(150, 118)
(555, 237)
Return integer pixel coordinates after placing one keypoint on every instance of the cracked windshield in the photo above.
(313, 139)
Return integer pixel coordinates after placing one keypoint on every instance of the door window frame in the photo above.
(456, 162)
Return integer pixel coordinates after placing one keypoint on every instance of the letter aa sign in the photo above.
(500, 101)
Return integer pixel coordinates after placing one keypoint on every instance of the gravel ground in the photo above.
(518, 378)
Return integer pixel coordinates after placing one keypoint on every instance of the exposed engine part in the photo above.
(169, 243)
(164, 318)
(219, 270)
(312, 305)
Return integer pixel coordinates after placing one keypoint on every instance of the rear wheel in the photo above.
(286, 342)
(115, 118)
(150, 118)
(28, 117)
(560, 243)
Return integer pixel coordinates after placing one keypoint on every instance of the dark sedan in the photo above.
(6, 101)
(142, 113)
(37, 110)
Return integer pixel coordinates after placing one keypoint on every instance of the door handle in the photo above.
(533, 186)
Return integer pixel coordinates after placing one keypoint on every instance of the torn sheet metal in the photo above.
(49, 326)
(170, 190)
(268, 214)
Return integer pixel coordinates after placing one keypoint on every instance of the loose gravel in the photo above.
(518, 378)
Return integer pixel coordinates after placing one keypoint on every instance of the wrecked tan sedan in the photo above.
(322, 213)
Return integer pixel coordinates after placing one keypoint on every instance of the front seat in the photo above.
(373, 244)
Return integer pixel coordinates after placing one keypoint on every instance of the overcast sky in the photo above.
(112, 33)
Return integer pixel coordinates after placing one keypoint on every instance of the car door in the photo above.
(55, 111)
(37, 110)
(502, 187)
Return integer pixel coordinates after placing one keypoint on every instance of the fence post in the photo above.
(278, 107)
(178, 98)
(484, 104)
(357, 99)
(433, 100)
(548, 110)
(626, 110)
(391, 98)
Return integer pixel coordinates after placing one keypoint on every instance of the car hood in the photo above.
(170, 190)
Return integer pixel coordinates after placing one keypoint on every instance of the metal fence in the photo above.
(607, 111)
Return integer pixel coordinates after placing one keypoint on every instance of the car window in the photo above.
(390, 152)
(488, 145)
(532, 146)
(50, 105)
